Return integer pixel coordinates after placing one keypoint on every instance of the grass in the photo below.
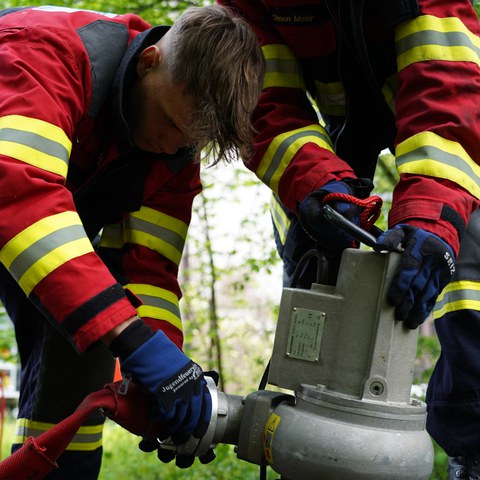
(123, 460)
(120, 444)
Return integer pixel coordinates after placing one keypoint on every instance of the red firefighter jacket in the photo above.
(69, 172)
(382, 74)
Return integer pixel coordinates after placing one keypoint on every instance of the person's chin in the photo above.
(146, 146)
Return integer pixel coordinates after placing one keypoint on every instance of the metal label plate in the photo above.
(305, 334)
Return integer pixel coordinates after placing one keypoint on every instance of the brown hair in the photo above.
(216, 55)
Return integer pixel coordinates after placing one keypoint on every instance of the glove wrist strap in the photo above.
(136, 334)
(451, 216)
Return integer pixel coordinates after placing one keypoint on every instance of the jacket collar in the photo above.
(124, 76)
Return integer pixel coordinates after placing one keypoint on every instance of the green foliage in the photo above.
(122, 460)
(224, 279)
(8, 351)
(385, 180)
(428, 351)
(230, 299)
(121, 445)
(156, 13)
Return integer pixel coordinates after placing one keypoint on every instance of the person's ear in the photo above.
(149, 58)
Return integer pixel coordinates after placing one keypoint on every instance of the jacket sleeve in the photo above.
(438, 119)
(44, 86)
(293, 152)
(145, 248)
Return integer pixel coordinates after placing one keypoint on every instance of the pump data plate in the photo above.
(305, 334)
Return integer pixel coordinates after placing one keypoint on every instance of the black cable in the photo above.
(300, 268)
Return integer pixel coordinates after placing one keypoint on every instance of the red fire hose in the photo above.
(37, 457)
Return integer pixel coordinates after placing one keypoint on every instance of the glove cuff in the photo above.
(361, 186)
(136, 334)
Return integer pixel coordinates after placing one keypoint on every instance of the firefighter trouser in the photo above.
(453, 395)
(54, 380)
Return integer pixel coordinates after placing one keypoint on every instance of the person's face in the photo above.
(158, 110)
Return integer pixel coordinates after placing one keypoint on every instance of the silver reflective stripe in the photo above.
(283, 147)
(458, 295)
(279, 217)
(42, 247)
(37, 142)
(88, 437)
(157, 231)
(440, 39)
(160, 303)
(281, 65)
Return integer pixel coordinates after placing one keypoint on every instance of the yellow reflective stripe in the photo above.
(35, 142)
(113, 236)
(284, 147)
(330, 98)
(282, 68)
(279, 217)
(88, 438)
(430, 38)
(429, 154)
(152, 229)
(159, 303)
(459, 295)
(389, 90)
(158, 231)
(44, 246)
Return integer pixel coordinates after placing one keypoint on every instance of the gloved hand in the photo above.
(166, 455)
(181, 397)
(426, 266)
(319, 228)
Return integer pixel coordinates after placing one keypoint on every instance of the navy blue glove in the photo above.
(166, 455)
(320, 229)
(181, 397)
(426, 266)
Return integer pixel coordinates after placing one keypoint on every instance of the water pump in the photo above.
(337, 404)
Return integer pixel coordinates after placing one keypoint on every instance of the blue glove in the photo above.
(319, 228)
(180, 392)
(426, 266)
(166, 455)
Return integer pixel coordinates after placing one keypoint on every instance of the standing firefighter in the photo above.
(102, 119)
(384, 74)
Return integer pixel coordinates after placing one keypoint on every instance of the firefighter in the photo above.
(102, 120)
(402, 75)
